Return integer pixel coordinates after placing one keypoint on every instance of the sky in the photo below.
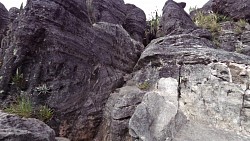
(148, 6)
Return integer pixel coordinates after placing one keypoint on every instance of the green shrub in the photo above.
(23, 108)
(144, 86)
(209, 21)
(242, 23)
(44, 113)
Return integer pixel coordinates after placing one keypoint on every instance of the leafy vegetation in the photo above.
(90, 10)
(153, 26)
(209, 21)
(144, 86)
(240, 26)
(23, 108)
(18, 78)
(44, 113)
(43, 89)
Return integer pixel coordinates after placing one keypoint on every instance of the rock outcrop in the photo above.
(54, 44)
(135, 22)
(14, 128)
(187, 86)
(175, 20)
(4, 20)
(237, 10)
(132, 18)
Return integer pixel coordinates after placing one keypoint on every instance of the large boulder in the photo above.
(112, 11)
(14, 128)
(175, 20)
(67, 63)
(132, 18)
(135, 22)
(237, 10)
(4, 20)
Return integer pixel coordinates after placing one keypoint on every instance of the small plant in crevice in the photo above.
(240, 26)
(43, 89)
(44, 113)
(23, 107)
(90, 10)
(192, 9)
(18, 78)
(144, 85)
(153, 26)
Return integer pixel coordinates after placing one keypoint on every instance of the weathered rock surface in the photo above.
(237, 10)
(112, 11)
(234, 37)
(119, 109)
(175, 19)
(53, 43)
(4, 20)
(135, 22)
(186, 79)
(201, 132)
(14, 128)
(157, 118)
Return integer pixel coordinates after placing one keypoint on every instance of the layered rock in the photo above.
(15, 128)
(54, 44)
(4, 20)
(135, 22)
(175, 19)
(237, 10)
(188, 87)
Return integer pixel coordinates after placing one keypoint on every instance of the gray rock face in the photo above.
(112, 11)
(175, 20)
(239, 9)
(54, 43)
(120, 107)
(201, 132)
(157, 118)
(212, 87)
(234, 37)
(14, 128)
(132, 18)
(135, 22)
(4, 20)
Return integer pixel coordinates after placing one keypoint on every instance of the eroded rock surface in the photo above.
(54, 44)
(4, 20)
(14, 128)
(237, 10)
(204, 90)
(135, 22)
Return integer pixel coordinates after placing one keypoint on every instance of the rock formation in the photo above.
(4, 20)
(237, 10)
(187, 87)
(54, 44)
(14, 128)
(85, 60)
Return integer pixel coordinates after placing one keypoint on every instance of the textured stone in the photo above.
(14, 128)
(237, 10)
(4, 20)
(157, 118)
(201, 132)
(175, 20)
(135, 22)
(119, 108)
(53, 43)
